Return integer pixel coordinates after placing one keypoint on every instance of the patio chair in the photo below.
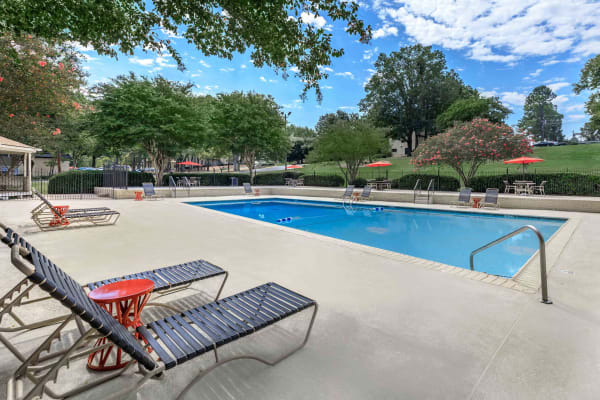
(49, 217)
(490, 199)
(299, 182)
(539, 189)
(167, 281)
(508, 187)
(366, 193)
(348, 193)
(149, 192)
(174, 340)
(247, 188)
(464, 198)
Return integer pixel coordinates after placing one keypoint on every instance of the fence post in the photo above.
(438, 179)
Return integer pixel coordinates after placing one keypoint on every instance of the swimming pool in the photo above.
(443, 236)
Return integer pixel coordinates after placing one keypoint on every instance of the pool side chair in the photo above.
(149, 191)
(539, 189)
(47, 217)
(248, 188)
(167, 281)
(366, 193)
(464, 198)
(508, 187)
(174, 340)
(348, 193)
(490, 199)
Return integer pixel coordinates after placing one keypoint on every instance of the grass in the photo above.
(556, 159)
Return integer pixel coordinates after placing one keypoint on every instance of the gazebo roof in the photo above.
(13, 147)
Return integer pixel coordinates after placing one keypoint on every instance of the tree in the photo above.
(39, 89)
(468, 145)
(328, 120)
(159, 115)
(462, 110)
(349, 143)
(409, 89)
(540, 117)
(590, 80)
(278, 33)
(302, 139)
(251, 125)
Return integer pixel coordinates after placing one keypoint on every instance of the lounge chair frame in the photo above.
(45, 214)
(149, 192)
(38, 370)
(490, 199)
(464, 198)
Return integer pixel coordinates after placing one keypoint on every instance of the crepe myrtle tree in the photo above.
(468, 145)
(349, 143)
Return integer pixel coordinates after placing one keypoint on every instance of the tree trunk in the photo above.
(250, 159)
(58, 162)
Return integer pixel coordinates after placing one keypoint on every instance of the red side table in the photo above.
(59, 219)
(476, 201)
(124, 300)
(138, 195)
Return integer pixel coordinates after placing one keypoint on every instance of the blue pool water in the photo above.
(444, 236)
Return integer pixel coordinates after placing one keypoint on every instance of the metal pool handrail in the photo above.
(542, 244)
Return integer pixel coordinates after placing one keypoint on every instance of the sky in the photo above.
(503, 48)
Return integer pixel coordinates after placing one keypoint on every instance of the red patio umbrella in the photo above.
(523, 161)
(189, 163)
(295, 166)
(379, 164)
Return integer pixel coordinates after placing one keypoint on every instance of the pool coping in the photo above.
(525, 280)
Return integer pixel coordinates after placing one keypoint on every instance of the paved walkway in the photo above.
(386, 328)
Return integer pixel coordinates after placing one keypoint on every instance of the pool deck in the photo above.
(388, 327)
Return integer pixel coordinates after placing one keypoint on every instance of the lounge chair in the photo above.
(247, 188)
(490, 199)
(348, 193)
(539, 189)
(464, 198)
(49, 217)
(149, 192)
(508, 187)
(366, 193)
(167, 281)
(173, 340)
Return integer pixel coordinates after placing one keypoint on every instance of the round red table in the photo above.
(138, 195)
(124, 300)
(476, 201)
(59, 219)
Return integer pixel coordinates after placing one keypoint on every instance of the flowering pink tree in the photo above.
(468, 145)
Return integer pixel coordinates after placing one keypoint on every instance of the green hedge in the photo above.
(323, 180)
(446, 183)
(360, 182)
(275, 178)
(208, 179)
(557, 183)
(75, 182)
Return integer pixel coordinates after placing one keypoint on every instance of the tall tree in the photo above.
(251, 125)
(349, 143)
(302, 139)
(279, 34)
(328, 120)
(39, 89)
(540, 116)
(590, 80)
(159, 115)
(409, 89)
(490, 108)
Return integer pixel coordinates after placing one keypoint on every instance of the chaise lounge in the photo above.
(174, 340)
(49, 217)
(464, 198)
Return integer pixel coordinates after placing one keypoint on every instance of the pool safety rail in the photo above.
(544, 279)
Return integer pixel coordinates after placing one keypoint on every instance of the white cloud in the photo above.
(499, 30)
(345, 74)
(560, 99)
(384, 31)
(558, 85)
(576, 117)
(243, 66)
(348, 108)
(487, 93)
(79, 47)
(164, 62)
(262, 78)
(294, 69)
(171, 34)
(549, 61)
(211, 88)
(312, 19)
(575, 107)
(196, 75)
(204, 64)
(536, 73)
(368, 54)
(513, 98)
(227, 69)
(326, 87)
(325, 69)
(146, 62)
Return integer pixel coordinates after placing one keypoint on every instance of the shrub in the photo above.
(208, 179)
(275, 178)
(323, 180)
(567, 183)
(446, 183)
(360, 182)
(75, 182)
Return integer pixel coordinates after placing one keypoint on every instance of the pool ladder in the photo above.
(418, 196)
(542, 244)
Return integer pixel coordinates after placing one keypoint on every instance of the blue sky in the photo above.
(503, 48)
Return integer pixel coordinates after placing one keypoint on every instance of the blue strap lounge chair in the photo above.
(149, 192)
(174, 340)
(490, 199)
(348, 193)
(366, 193)
(247, 188)
(464, 198)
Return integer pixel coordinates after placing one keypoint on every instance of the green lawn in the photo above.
(558, 158)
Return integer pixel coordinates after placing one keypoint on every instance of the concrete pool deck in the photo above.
(387, 328)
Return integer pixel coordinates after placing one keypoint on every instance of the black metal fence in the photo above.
(79, 184)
